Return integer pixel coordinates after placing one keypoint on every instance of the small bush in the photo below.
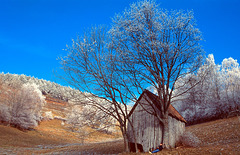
(189, 139)
(48, 115)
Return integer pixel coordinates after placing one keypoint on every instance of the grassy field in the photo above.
(48, 136)
(217, 137)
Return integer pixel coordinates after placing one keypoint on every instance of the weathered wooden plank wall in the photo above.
(148, 130)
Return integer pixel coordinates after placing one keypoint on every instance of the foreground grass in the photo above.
(48, 136)
(217, 137)
(12, 137)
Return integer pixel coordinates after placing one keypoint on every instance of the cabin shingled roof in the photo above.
(171, 110)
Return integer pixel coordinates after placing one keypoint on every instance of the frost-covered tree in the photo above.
(80, 116)
(22, 105)
(28, 106)
(91, 66)
(196, 101)
(215, 96)
(146, 46)
(231, 82)
(158, 47)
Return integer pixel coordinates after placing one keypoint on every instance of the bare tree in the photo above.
(91, 66)
(158, 47)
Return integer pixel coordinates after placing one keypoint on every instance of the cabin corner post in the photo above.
(132, 132)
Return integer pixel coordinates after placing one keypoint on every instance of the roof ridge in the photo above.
(172, 111)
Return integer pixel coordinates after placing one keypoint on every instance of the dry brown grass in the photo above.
(55, 130)
(217, 137)
(10, 136)
(48, 136)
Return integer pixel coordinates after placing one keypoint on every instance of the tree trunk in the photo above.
(126, 145)
(125, 139)
(165, 131)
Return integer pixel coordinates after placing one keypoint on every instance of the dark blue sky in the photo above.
(34, 32)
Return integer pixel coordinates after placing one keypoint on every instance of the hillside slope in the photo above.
(48, 135)
(217, 137)
(61, 101)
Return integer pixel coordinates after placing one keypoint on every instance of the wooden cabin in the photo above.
(148, 130)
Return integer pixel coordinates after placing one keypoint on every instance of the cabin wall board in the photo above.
(148, 130)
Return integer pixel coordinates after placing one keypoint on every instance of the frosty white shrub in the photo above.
(48, 115)
(4, 113)
(29, 102)
(81, 115)
(22, 105)
(189, 139)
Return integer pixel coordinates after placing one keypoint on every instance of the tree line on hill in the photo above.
(217, 96)
(47, 87)
(22, 100)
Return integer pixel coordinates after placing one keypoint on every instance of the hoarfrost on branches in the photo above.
(22, 105)
(216, 96)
